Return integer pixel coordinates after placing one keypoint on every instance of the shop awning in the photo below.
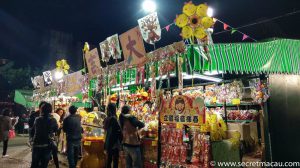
(23, 97)
(278, 56)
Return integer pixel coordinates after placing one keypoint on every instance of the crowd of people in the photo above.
(45, 127)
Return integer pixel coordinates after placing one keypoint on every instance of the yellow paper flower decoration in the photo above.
(194, 21)
(187, 32)
(200, 33)
(202, 10)
(189, 9)
(62, 65)
(207, 22)
(182, 20)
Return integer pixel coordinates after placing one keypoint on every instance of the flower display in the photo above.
(194, 21)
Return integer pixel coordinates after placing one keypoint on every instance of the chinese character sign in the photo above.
(93, 63)
(182, 110)
(133, 47)
(150, 28)
(73, 83)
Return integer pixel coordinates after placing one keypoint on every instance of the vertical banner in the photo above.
(179, 68)
(93, 63)
(73, 83)
(153, 81)
(114, 46)
(105, 53)
(133, 47)
(150, 28)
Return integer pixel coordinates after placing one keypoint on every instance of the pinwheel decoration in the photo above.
(62, 65)
(194, 21)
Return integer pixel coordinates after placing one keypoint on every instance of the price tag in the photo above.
(179, 126)
(87, 143)
(154, 143)
(236, 101)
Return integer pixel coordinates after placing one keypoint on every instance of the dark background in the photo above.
(284, 114)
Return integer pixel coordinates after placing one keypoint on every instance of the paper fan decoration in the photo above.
(63, 66)
(194, 21)
(114, 46)
(150, 28)
(105, 53)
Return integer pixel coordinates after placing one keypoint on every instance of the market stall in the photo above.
(200, 101)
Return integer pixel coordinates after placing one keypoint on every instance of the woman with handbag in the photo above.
(113, 138)
(5, 128)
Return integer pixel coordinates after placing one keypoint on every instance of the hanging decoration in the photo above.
(168, 51)
(62, 65)
(114, 46)
(194, 21)
(86, 47)
(150, 28)
(47, 78)
(36, 82)
(133, 47)
(105, 51)
(93, 63)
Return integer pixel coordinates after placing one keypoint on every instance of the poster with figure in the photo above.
(183, 110)
(114, 46)
(47, 78)
(133, 47)
(105, 51)
(150, 28)
(93, 63)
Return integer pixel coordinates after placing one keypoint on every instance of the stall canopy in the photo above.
(278, 56)
(23, 97)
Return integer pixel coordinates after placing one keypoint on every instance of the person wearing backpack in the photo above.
(131, 141)
(113, 136)
(43, 131)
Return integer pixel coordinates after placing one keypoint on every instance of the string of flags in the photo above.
(232, 30)
(226, 27)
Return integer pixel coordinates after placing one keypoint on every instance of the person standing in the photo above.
(54, 149)
(43, 131)
(131, 140)
(113, 136)
(31, 120)
(73, 129)
(5, 126)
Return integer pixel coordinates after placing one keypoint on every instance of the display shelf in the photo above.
(231, 105)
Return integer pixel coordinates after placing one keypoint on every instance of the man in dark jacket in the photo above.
(131, 140)
(113, 136)
(43, 130)
(32, 118)
(72, 128)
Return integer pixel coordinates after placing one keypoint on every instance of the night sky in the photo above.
(23, 22)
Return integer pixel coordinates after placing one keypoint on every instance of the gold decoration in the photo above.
(194, 21)
(62, 65)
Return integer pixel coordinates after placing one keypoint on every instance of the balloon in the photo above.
(199, 33)
(207, 22)
(182, 20)
(186, 32)
(202, 10)
(189, 9)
